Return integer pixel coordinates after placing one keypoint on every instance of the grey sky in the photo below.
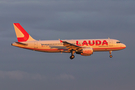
(22, 69)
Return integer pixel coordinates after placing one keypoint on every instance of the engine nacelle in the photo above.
(87, 51)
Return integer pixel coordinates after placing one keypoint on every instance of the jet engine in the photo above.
(86, 52)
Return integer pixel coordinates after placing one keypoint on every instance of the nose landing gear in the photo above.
(110, 52)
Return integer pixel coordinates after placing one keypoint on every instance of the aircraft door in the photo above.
(110, 42)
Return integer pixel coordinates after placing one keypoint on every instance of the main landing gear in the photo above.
(72, 54)
(110, 52)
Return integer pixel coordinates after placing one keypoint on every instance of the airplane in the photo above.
(84, 47)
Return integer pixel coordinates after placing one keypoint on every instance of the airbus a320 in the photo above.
(84, 47)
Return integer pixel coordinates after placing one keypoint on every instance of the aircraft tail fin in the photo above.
(21, 34)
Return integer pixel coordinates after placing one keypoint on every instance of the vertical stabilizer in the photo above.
(21, 34)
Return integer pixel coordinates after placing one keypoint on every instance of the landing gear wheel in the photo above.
(72, 54)
(110, 52)
(110, 56)
(72, 57)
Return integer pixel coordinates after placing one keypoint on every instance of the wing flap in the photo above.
(71, 46)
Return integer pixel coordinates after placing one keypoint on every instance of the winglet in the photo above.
(21, 34)
(60, 41)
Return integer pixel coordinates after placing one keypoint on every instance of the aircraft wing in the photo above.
(71, 46)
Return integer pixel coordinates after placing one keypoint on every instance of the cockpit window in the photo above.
(118, 42)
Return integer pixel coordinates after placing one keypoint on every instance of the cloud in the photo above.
(70, 15)
(17, 2)
(19, 75)
(65, 77)
(66, 19)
